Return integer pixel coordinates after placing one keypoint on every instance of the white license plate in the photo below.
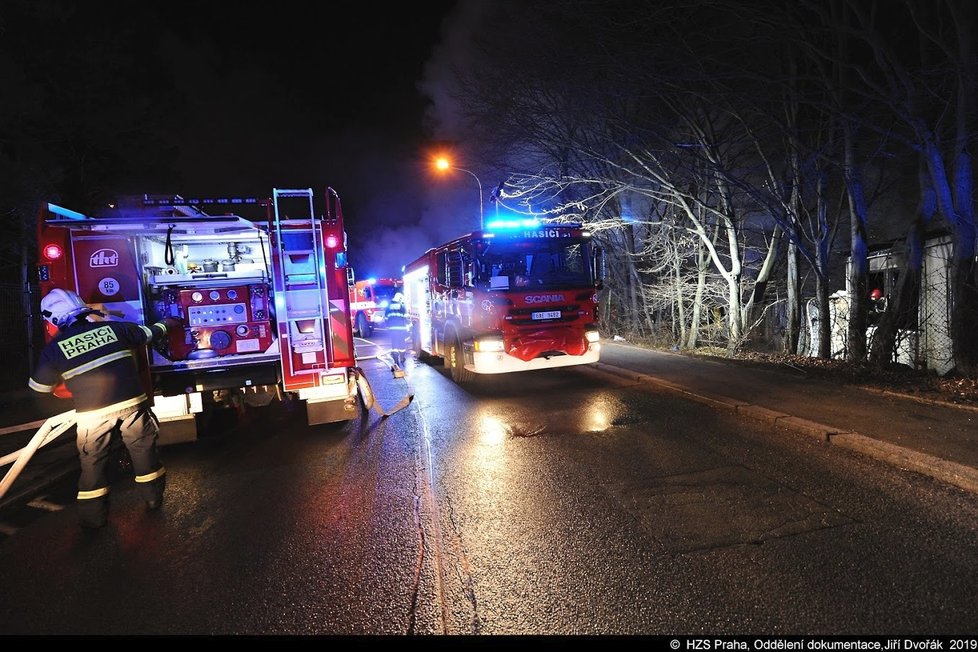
(551, 314)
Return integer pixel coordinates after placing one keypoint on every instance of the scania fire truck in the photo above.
(514, 296)
(369, 299)
(264, 300)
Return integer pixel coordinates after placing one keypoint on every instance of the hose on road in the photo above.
(367, 393)
(51, 429)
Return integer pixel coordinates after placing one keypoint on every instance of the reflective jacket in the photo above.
(95, 360)
(396, 316)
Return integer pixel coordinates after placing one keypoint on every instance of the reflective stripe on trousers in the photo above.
(139, 431)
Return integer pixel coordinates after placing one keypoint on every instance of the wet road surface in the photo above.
(556, 502)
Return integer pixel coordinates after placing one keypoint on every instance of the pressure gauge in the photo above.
(220, 340)
(197, 297)
(215, 295)
(232, 294)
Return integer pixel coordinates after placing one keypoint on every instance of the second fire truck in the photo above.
(369, 299)
(514, 296)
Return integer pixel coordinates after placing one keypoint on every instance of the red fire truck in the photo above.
(517, 295)
(264, 300)
(369, 299)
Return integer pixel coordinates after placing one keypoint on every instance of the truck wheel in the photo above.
(364, 329)
(455, 361)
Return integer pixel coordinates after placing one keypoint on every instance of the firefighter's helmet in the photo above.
(398, 298)
(60, 307)
(876, 294)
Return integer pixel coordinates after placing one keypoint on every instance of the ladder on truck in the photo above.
(302, 321)
(312, 331)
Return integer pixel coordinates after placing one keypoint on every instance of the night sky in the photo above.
(319, 94)
(220, 99)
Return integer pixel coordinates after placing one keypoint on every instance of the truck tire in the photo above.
(455, 361)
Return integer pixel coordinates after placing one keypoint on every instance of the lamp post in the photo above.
(444, 164)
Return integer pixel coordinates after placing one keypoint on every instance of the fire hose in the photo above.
(370, 402)
(368, 398)
(367, 393)
(51, 429)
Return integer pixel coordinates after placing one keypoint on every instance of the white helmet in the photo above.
(59, 307)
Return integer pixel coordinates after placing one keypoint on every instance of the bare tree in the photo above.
(695, 121)
(921, 67)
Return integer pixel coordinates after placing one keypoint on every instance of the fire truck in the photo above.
(517, 295)
(369, 299)
(264, 300)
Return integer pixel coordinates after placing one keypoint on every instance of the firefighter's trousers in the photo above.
(398, 330)
(139, 430)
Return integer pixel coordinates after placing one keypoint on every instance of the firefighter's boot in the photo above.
(93, 508)
(153, 486)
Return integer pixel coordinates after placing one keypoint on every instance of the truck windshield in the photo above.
(384, 293)
(534, 265)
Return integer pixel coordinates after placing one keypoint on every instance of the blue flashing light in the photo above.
(507, 225)
(371, 281)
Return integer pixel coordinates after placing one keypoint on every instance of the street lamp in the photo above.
(444, 164)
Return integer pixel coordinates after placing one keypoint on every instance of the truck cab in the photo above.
(369, 299)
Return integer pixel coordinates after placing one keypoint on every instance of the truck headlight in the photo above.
(592, 336)
(493, 345)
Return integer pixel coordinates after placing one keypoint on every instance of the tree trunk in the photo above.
(884, 341)
(702, 266)
(824, 315)
(793, 326)
(964, 268)
(858, 248)
(755, 305)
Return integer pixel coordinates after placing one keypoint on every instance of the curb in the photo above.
(958, 475)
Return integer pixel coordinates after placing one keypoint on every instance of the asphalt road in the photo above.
(560, 502)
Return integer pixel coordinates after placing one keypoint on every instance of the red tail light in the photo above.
(53, 251)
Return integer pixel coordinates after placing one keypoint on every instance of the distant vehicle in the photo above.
(516, 296)
(264, 304)
(368, 303)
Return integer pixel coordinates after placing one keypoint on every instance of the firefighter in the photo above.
(95, 360)
(877, 306)
(396, 320)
